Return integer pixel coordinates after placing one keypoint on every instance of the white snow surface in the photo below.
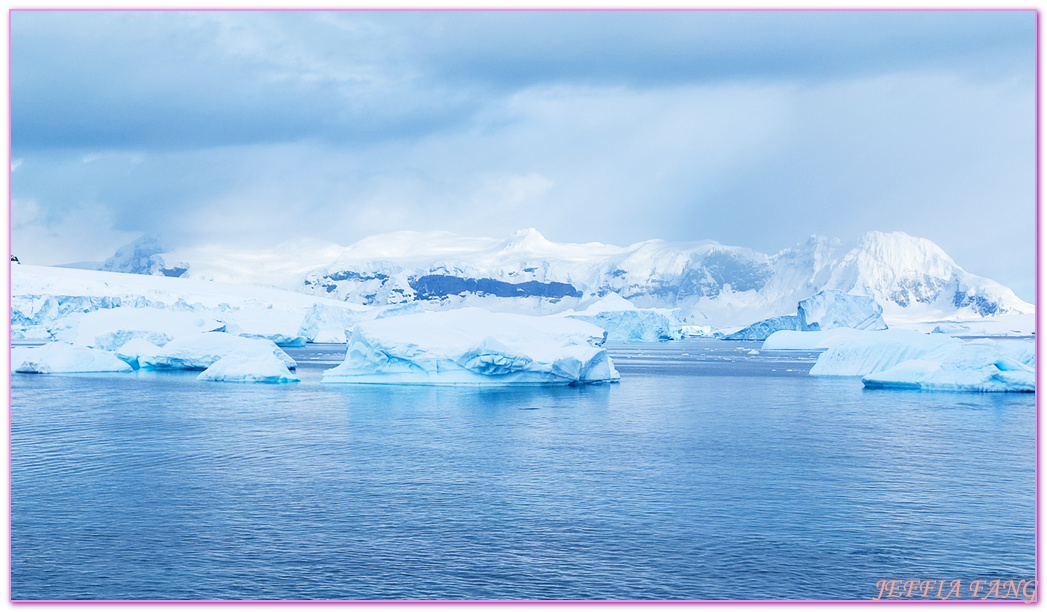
(248, 367)
(789, 340)
(200, 351)
(477, 347)
(105, 309)
(930, 362)
(111, 328)
(624, 322)
(716, 285)
(62, 357)
(830, 309)
(966, 368)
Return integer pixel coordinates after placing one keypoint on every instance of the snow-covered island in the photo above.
(434, 308)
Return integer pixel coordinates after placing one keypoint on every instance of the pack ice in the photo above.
(477, 347)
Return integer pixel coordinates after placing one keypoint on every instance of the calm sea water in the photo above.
(708, 473)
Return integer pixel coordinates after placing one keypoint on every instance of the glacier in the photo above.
(249, 367)
(473, 346)
(63, 357)
(727, 287)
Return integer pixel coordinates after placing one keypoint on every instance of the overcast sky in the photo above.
(749, 128)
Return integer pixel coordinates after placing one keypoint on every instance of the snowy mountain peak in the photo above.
(911, 278)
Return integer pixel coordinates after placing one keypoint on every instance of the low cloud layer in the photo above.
(750, 128)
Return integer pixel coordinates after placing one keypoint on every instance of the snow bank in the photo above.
(474, 346)
(624, 322)
(56, 357)
(248, 367)
(200, 351)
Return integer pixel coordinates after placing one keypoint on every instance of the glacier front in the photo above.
(472, 346)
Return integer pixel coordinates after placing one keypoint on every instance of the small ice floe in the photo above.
(248, 367)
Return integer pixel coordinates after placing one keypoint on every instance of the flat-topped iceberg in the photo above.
(861, 353)
(474, 346)
(624, 322)
(931, 362)
(248, 367)
(200, 351)
(969, 368)
(111, 328)
(62, 357)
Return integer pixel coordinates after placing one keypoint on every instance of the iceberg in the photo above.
(761, 330)
(831, 309)
(863, 353)
(130, 350)
(201, 351)
(966, 368)
(476, 347)
(62, 357)
(248, 367)
(788, 340)
(932, 362)
(624, 322)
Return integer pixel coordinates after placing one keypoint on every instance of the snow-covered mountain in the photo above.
(912, 278)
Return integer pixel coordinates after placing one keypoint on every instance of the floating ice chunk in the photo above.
(474, 346)
(831, 309)
(56, 357)
(761, 330)
(908, 359)
(625, 322)
(966, 368)
(131, 349)
(862, 353)
(248, 367)
(200, 351)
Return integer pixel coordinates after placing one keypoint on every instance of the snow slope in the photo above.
(713, 284)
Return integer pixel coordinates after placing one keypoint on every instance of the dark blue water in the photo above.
(713, 474)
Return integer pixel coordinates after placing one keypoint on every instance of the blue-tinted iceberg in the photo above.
(930, 362)
(200, 351)
(968, 368)
(477, 347)
(761, 330)
(831, 309)
(624, 322)
(62, 357)
(248, 367)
